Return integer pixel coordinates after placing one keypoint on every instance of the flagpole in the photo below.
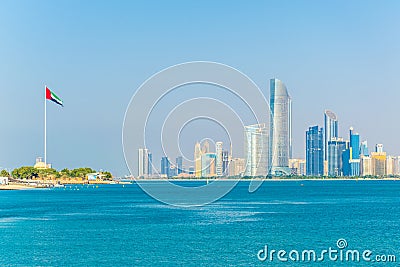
(45, 128)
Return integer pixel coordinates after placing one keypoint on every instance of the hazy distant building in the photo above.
(179, 165)
(219, 159)
(150, 164)
(396, 166)
(364, 148)
(191, 171)
(256, 150)
(392, 165)
(172, 171)
(144, 162)
(225, 163)
(314, 151)
(280, 144)
(208, 165)
(389, 165)
(297, 167)
(336, 147)
(237, 167)
(206, 147)
(197, 159)
(331, 129)
(165, 166)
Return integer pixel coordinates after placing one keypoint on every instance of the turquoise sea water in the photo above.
(114, 225)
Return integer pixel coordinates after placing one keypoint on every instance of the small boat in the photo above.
(59, 186)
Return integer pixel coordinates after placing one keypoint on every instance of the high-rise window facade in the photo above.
(256, 150)
(331, 130)
(280, 144)
(314, 151)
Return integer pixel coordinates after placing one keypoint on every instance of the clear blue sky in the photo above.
(340, 55)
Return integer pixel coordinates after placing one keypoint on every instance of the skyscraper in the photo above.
(280, 144)
(354, 161)
(150, 164)
(331, 129)
(179, 165)
(225, 163)
(165, 166)
(314, 151)
(144, 162)
(208, 164)
(364, 148)
(197, 159)
(256, 150)
(206, 147)
(219, 159)
(351, 157)
(379, 163)
(336, 147)
(354, 144)
(366, 166)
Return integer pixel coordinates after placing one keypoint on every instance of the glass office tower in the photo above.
(165, 166)
(314, 151)
(331, 130)
(336, 147)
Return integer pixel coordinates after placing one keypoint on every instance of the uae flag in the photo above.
(53, 97)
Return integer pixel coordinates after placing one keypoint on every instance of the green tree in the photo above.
(108, 175)
(43, 173)
(4, 173)
(65, 172)
(25, 172)
(81, 172)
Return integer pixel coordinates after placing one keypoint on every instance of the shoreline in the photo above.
(22, 186)
(263, 180)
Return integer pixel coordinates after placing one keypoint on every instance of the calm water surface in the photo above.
(114, 225)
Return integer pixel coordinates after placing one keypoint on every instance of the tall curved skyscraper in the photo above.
(331, 130)
(280, 148)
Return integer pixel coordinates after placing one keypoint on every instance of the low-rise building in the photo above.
(3, 180)
(297, 166)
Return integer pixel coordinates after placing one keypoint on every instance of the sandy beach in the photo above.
(16, 187)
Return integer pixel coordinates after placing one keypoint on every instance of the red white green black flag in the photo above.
(53, 97)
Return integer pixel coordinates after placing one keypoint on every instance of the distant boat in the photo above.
(59, 186)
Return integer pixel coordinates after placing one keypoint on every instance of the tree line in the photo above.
(29, 172)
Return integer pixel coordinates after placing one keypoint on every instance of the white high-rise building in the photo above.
(365, 165)
(396, 165)
(144, 162)
(256, 150)
(280, 144)
(219, 159)
(331, 130)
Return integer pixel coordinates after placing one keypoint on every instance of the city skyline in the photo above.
(344, 157)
